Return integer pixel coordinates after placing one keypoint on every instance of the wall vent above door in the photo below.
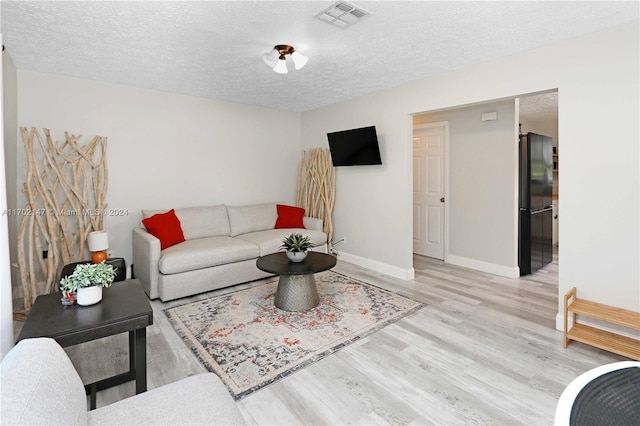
(342, 14)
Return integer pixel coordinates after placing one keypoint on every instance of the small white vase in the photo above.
(296, 256)
(89, 295)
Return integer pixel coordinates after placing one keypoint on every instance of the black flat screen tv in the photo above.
(355, 147)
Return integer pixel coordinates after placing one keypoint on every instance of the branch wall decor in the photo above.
(65, 188)
(317, 187)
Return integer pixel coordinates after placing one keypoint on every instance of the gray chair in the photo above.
(40, 386)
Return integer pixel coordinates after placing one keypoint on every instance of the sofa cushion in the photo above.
(165, 227)
(271, 240)
(289, 217)
(148, 213)
(200, 222)
(256, 217)
(205, 252)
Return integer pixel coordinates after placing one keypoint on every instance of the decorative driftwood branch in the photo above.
(317, 187)
(65, 188)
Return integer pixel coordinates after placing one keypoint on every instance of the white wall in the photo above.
(167, 150)
(7, 167)
(10, 115)
(483, 173)
(597, 77)
(370, 200)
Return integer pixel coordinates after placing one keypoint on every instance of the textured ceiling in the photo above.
(542, 107)
(213, 49)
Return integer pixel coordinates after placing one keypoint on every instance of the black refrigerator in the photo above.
(536, 211)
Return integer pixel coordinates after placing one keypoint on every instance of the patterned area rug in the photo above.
(249, 343)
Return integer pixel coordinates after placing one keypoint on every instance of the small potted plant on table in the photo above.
(87, 282)
(296, 246)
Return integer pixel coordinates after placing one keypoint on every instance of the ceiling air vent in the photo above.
(342, 14)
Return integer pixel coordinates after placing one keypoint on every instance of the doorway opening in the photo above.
(539, 181)
(480, 218)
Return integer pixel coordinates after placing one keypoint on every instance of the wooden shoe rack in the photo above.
(609, 341)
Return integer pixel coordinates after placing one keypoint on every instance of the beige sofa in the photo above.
(220, 249)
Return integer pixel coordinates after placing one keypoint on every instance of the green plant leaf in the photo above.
(87, 275)
(296, 243)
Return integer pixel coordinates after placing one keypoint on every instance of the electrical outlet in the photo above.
(344, 240)
(109, 254)
(45, 254)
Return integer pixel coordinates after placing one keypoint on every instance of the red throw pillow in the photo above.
(289, 217)
(166, 227)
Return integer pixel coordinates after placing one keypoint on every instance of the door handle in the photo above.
(442, 200)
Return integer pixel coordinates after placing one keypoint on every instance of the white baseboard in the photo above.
(478, 265)
(560, 322)
(409, 274)
(374, 265)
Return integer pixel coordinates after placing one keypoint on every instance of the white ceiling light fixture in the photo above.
(281, 67)
(277, 58)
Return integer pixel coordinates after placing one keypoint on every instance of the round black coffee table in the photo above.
(297, 286)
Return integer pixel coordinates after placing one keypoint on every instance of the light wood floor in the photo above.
(483, 351)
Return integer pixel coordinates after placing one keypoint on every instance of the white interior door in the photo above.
(428, 190)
